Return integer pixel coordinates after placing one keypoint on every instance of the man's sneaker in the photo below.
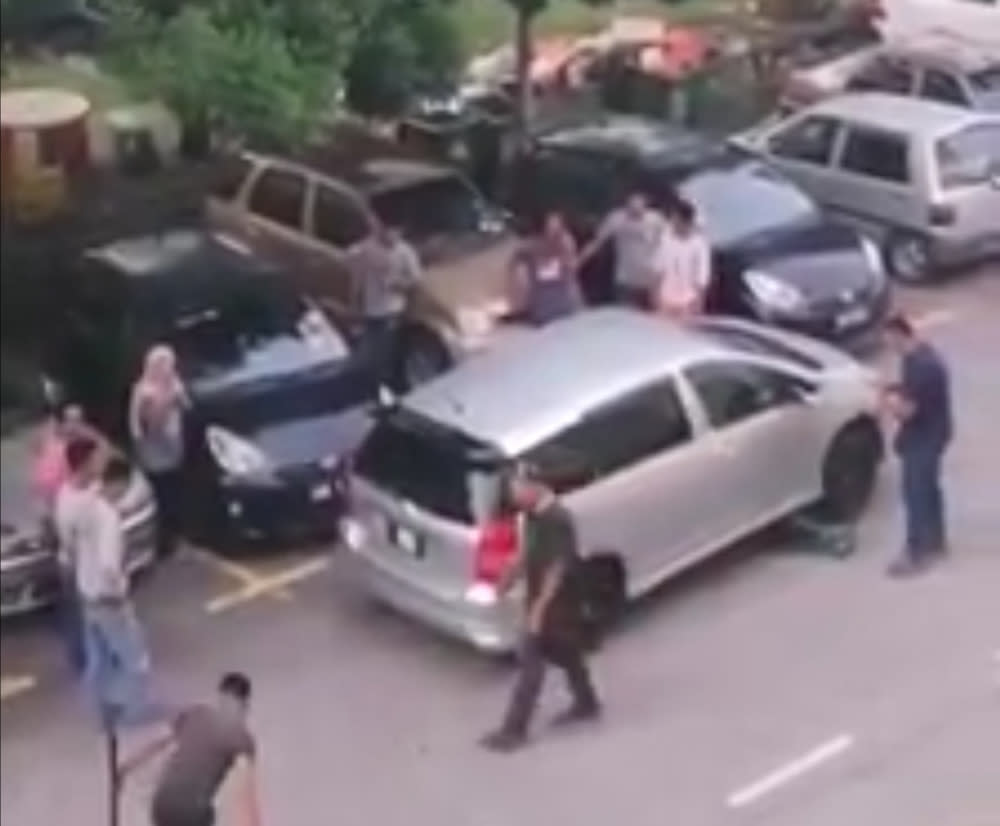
(503, 742)
(577, 714)
(905, 566)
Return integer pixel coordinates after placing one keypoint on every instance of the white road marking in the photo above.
(790, 771)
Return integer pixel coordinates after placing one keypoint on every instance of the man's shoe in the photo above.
(577, 714)
(503, 742)
(905, 566)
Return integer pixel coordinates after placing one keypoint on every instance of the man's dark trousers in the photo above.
(538, 652)
(923, 501)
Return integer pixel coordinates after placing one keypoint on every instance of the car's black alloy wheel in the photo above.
(850, 471)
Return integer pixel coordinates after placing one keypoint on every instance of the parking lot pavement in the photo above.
(774, 687)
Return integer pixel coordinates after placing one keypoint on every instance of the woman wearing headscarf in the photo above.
(156, 424)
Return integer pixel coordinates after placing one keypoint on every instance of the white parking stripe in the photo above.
(790, 771)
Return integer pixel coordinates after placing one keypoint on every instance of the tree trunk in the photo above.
(523, 50)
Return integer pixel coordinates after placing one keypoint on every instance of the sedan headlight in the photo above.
(873, 256)
(234, 454)
(773, 292)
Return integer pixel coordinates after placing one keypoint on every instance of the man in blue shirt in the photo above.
(921, 404)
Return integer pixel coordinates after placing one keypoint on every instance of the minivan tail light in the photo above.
(496, 547)
(941, 215)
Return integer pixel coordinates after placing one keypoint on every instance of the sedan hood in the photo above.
(824, 260)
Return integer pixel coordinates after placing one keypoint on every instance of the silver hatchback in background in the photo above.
(667, 443)
(922, 177)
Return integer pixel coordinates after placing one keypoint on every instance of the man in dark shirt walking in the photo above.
(208, 742)
(921, 405)
(553, 634)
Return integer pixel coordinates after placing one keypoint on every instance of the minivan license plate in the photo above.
(853, 317)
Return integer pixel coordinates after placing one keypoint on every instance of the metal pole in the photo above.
(114, 778)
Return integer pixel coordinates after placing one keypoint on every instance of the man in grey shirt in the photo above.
(636, 230)
(386, 270)
(209, 741)
(91, 540)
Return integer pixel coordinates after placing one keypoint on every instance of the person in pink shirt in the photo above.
(683, 266)
(50, 469)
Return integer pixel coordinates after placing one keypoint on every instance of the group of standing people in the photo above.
(663, 262)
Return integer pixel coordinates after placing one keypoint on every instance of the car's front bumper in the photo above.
(488, 626)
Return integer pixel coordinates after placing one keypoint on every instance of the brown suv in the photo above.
(306, 214)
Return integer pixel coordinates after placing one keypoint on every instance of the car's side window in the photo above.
(279, 195)
(732, 392)
(942, 87)
(876, 154)
(337, 218)
(614, 437)
(883, 74)
(809, 140)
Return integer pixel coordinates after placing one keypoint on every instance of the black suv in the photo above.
(278, 396)
(777, 257)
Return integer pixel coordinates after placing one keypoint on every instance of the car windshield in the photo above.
(739, 202)
(970, 156)
(438, 207)
(985, 84)
(437, 469)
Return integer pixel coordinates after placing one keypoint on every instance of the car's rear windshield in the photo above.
(747, 341)
(439, 470)
(970, 156)
(441, 206)
(986, 80)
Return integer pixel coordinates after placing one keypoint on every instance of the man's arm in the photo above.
(147, 753)
(247, 791)
(550, 585)
(601, 237)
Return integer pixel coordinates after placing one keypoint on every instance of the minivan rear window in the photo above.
(439, 470)
(969, 156)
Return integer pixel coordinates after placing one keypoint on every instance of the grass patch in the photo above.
(486, 24)
(75, 74)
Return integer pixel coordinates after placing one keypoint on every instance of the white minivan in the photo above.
(974, 19)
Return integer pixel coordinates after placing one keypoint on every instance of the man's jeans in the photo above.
(118, 666)
(923, 501)
(382, 340)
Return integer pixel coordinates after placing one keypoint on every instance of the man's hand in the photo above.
(249, 798)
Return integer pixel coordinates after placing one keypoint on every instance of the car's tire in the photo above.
(603, 590)
(908, 258)
(850, 471)
(422, 356)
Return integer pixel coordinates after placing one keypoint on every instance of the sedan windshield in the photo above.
(438, 207)
(737, 203)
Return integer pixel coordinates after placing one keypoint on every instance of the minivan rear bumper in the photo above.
(491, 628)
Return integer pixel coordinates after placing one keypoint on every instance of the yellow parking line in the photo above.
(934, 318)
(12, 686)
(267, 585)
(243, 574)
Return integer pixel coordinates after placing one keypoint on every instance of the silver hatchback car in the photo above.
(922, 177)
(667, 443)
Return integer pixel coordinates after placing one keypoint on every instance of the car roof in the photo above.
(372, 176)
(178, 254)
(635, 138)
(895, 113)
(527, 389)
(946, 49)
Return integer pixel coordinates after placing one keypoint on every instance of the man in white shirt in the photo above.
(636, 230)
(683, 265)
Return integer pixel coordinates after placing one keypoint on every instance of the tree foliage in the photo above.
(270, 70)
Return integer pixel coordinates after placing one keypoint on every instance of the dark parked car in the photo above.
(777, 257)
(278, 395)
(28, 572)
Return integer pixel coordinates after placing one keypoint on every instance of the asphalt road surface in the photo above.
(774, 687)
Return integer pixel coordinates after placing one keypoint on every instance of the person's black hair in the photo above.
(900, 324)
(236, 685)
(117, 472)
(684, 210)
(79, 452)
